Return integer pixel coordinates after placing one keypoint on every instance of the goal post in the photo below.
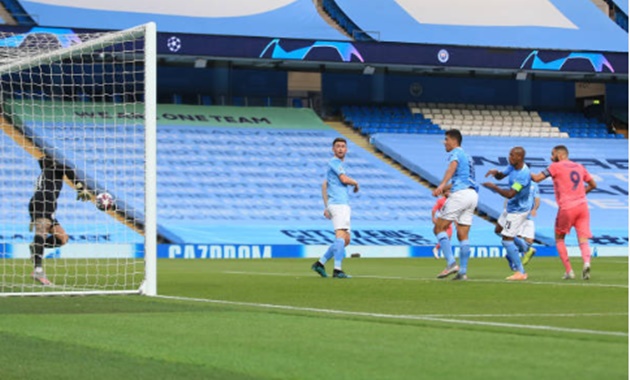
(78, 112)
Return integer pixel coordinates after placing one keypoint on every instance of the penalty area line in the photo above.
(396, 316)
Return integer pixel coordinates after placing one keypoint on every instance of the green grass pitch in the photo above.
(276, 319)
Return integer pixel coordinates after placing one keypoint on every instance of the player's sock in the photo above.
(339, 252)
(512, 252)
(52, 242)
(564, 255)
(521, 244)
(328, 255)
(585, 250)
(510, 263)
(447, 251)
(38, 255)
(464, 255)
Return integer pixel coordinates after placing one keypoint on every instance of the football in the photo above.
(104, 201)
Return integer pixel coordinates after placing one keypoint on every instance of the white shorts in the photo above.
(460, 207)
(502, 217)
(514, 223)
(529, 229)
(340, 216)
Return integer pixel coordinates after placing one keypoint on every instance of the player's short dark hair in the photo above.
(339, 139)
(562, 148)
(521, 150)
(454, 134)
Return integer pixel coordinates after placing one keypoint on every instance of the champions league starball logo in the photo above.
(443, 56)
(174, 44)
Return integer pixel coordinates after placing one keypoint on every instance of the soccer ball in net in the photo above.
(104, 201)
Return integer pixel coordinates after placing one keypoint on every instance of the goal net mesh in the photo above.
(72, 115)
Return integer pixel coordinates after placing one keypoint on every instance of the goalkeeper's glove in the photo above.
(82, 193)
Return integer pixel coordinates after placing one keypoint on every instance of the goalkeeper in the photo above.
(42, 206)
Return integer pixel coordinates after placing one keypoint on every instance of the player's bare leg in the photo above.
(58, 237)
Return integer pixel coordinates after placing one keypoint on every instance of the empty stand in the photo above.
(577, 125)
(246, 185)
(434, 118)
(233, 184)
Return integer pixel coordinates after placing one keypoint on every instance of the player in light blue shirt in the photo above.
(336, 190)
(522, 201)
(336, 208)
(525, 237)
(459, 207)
(518, 205)
(464, 176)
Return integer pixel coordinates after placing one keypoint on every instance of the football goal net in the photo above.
(78, 153)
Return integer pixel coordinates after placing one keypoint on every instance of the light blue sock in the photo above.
(464, 255)
(521, 244)
(445, 245)
(512, 252)
(339, 252)
(328, 255)
(510, 263)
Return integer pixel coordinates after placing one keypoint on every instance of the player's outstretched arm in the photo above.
(83, 194)
(537, 177)
(506, 193)
(497, 174)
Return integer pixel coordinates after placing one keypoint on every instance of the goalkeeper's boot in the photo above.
(319, 268)
(586, 272)
(340, 274)
(569, 275)
(453, 268)
(40, 276)
(528, 255)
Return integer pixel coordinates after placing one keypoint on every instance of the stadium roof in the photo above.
(564, 39)
(540, 24)
(268, 18)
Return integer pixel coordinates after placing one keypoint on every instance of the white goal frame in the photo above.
(148, 226)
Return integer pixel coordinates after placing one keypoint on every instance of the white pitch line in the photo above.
(564, 283)
(397, 316)
(533, 315)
